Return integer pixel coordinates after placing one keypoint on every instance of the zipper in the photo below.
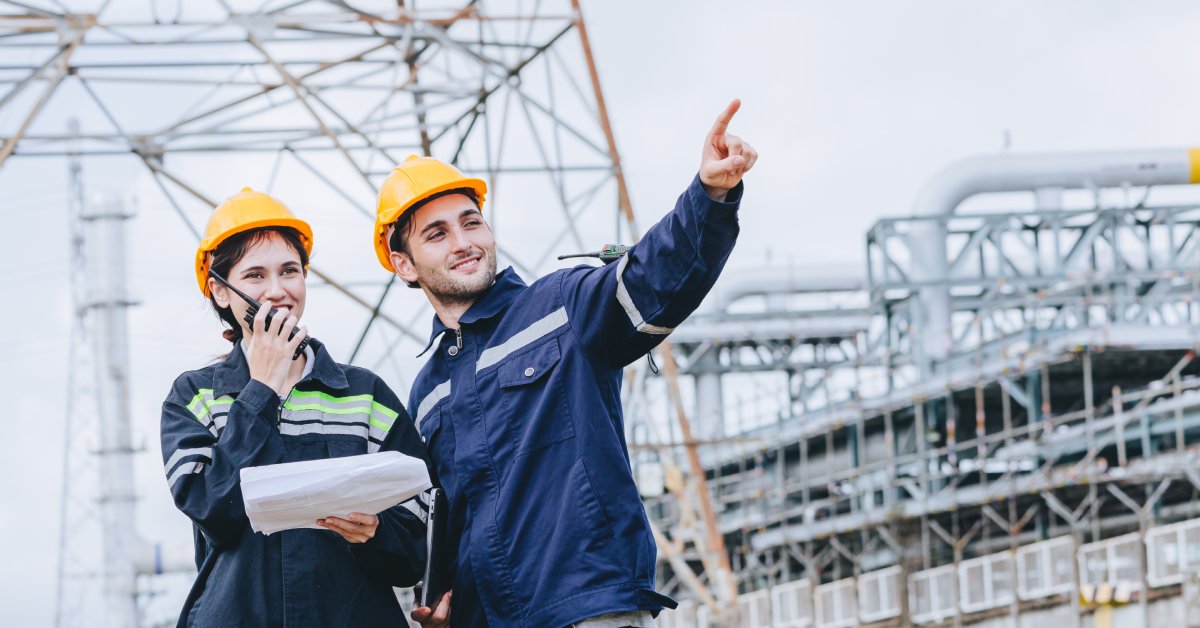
(284, 399)
(453, 351)
(279, 414)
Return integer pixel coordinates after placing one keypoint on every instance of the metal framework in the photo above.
(1068, 408)
(322, 97)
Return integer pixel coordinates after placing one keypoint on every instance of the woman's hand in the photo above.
(358, 528)
(434, 618)
(268, 349)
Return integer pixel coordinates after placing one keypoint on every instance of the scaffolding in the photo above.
(1053, 449)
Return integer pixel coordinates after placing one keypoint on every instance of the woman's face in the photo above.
(269, 271)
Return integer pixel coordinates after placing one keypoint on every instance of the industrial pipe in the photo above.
(1044, 174)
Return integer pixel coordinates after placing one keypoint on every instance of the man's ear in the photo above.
(219, 292)
(404, 267)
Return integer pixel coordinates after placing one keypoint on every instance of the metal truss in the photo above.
(206, 95)
(325, 96)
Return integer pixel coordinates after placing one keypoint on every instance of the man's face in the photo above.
(453, 253)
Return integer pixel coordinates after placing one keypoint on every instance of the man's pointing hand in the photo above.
(726, 157)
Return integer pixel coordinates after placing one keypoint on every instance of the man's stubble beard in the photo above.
(446, 290)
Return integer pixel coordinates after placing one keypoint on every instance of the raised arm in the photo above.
(621, 311)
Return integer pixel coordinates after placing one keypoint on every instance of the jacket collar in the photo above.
(495, 300)
(233, 374)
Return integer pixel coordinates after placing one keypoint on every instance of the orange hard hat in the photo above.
(413, 181)
(241, 212)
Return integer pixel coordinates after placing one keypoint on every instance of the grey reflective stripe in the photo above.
(184, 469)
(293, 429)
(439, 392)
(523, 338)
(180, 454)
(378, 435)
(297, 416)
(635, 317)
(416, 509)
(203, 403)
(381, 423)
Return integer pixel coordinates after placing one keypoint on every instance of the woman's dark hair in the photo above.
(231, 251)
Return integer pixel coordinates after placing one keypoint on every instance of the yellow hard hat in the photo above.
(244, 211)
(413, 181)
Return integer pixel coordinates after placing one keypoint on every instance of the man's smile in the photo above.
(467, 265)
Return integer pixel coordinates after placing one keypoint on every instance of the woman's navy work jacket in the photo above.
(216, 422)
(522, 419)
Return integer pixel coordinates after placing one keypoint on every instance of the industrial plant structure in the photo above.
(997, 426)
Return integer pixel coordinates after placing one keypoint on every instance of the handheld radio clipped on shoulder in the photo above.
(253, 310)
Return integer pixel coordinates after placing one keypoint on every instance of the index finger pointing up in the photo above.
(722, 122)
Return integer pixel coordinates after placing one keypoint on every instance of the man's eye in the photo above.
(472, 223)
(436, 235)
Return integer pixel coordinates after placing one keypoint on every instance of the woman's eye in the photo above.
(290, 270)
(253, 276)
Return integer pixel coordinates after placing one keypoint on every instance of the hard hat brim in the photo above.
(204, 252)
(386, 218)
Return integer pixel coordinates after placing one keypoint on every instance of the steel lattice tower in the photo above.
(324, 96)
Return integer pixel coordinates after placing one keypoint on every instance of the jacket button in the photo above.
(453, 351)
(529, 372)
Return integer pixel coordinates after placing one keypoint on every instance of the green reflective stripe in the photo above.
(316, 394)
(326, 409)
(194, 404)
(382, 418)
(200, 403)
(203, 403)
(384, 410)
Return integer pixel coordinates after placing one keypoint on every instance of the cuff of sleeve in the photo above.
(729, 206)
(259, 396)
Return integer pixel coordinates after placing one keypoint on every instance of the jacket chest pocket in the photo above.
(532, 400)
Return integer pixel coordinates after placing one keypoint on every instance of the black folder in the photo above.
(437, 566)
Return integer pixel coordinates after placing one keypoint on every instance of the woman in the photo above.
(261, 406)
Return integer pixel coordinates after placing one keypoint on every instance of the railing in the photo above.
(1039, 570)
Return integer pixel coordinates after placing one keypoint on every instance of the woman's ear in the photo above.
(219, 292)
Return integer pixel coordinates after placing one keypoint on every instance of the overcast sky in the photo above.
(852, 105)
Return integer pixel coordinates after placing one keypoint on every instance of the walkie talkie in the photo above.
(608, 253)
(253, 310)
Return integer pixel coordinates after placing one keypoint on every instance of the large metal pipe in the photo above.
(105, 219)
(774, 281)
(1044, 174)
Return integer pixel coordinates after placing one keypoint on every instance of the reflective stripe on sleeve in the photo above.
(626, 301)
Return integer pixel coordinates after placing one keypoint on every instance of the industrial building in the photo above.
(1001, 433)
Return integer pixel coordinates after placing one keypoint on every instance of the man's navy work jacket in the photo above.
(521, 413)
(217, 421)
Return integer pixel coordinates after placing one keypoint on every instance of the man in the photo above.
(519, 406)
